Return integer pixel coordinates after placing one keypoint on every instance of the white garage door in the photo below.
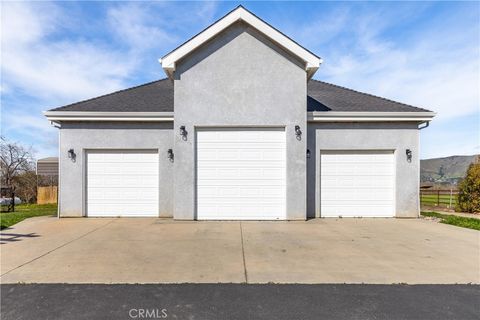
(357, 184)
(241, 174)
(122, 183)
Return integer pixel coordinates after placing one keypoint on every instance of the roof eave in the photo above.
(60, 116)
(353, 116)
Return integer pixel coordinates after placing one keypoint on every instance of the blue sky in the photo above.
(423, 53)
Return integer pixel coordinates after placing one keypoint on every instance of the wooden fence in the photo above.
(47, 194)
(438, 198)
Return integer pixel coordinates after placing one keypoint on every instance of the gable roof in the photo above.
(312, 62)
(157, 97)
(323, 96)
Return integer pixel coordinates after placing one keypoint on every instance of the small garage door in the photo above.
(357, 183)
(241, 174)
(122, 183)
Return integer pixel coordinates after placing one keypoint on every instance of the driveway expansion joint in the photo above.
(243, 254)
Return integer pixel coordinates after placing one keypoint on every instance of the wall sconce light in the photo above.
(308, 153)
(298, 132)
(71, 154)
(183, 132)
(408, 152)
(170, 155)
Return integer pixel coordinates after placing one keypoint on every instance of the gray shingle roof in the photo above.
(157, 96)
(323, 96)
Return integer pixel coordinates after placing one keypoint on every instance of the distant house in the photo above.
(47, 181)
(47, 166)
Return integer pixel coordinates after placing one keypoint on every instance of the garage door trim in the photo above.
(85, 154)
(391, 151)
(279, 128)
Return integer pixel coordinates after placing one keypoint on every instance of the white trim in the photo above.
(88, 151)
(107, 116)
(393, 151)
(330, 116)
(315, 116)
(312, 62)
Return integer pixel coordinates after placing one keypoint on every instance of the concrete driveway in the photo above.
(51, 250)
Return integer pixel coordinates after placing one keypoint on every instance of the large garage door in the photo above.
(357, 184)
(241, 174)
(122, 183)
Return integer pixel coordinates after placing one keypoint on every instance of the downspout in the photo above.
(427, 123)
(58, 126)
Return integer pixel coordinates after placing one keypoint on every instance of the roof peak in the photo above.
(240, 13)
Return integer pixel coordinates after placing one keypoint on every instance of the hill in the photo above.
(444, 171)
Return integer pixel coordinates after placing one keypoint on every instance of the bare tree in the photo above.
(14, 161)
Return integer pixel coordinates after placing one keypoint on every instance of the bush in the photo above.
(469, 190)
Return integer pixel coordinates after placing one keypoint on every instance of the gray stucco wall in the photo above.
(103, 135)
(367, 136)
(239, 79)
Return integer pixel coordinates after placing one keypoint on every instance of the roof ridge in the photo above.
(109, 94)
(253, 14)
(371, 95)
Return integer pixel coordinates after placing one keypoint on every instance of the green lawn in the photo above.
(463, 222)
(444, 199)
(24, 211)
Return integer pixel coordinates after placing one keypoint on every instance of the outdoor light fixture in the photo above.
(183, 132)
(298, 132)
(71, 154)
(170, 154)
(408, 152)
(308, 153)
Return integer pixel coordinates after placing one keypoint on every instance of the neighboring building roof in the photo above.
(312, 61)
(49, 159)
(157, 96)
(47, 166)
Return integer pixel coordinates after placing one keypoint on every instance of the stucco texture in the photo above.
(83, 136)
(239, 79)
(368, 136)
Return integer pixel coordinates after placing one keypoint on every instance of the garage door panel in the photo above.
(274, 163)
(111, 180)
(240, 135)
(251, 183)
(126, 210)
(361, 210)
(122, 183)
(357, 183)
(241, 174)
(249, 212)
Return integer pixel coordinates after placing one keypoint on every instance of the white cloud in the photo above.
(135, 25)
(52, 54)
(436, 70)
(66, 70)
(31, 130)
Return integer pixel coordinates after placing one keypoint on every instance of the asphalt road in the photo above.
(237, 301)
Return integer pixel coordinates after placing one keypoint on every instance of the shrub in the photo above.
(469, 190)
